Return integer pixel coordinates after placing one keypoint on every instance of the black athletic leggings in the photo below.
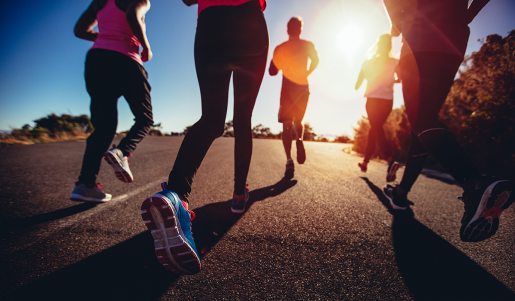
(427, 78)
(230, 40)
(378, 110)
(109, 75)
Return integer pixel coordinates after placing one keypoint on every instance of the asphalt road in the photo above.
(324, 235)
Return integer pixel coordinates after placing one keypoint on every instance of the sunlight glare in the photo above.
(350, 39)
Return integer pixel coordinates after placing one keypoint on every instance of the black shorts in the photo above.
(294, 101)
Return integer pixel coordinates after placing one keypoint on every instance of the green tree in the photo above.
(480, 107)
(64, 123)
(309, 134)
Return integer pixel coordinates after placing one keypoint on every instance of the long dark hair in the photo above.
(382, 47)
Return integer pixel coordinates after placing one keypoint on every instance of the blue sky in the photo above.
(42, 62)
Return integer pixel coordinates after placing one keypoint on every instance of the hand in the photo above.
(146, 54)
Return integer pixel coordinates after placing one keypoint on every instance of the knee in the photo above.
(213, 127)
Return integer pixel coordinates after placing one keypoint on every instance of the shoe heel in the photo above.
(170, 247)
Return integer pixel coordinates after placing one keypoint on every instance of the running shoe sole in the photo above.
(392, 173)
(171, 247)
(496, 198)
(392, 204)
(121, 173)
(80, 198)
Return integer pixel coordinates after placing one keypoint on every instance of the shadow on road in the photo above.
(433, 269)
(127, 271)
(21, 223)
(380, 195)
(214, 220)
(440, 176)
(130, 270)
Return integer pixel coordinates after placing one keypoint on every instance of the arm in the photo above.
(400, 13)
(394, 13)
(135, 15)
(273, 69)
(313, 55)
(87, 21)
(475, 7)
(361, 78)
(190, 2)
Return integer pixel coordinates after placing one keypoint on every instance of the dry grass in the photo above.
(27, 139)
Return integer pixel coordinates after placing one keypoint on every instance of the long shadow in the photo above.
(214, 220)
(130, 270)
(408, 213)
(433, 269)
(127, 271)
(437, 175)
(16, 224)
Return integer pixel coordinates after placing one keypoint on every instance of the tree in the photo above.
(228, 129)
(260, 131)
(156, 130)
(309, 134)
(65, 123)
(480, 107)
(343, 139)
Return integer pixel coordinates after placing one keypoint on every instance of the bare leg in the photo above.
(286, 137)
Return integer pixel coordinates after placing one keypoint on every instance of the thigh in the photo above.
(437, 72)
(427, 78)
(136, 90)
(214, 76)
(378, 110)
(102, 83)
(300, 106)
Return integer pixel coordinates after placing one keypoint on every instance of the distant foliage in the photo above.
(480, 108)
(64, 123)
(309, 134)
(343, 139)
(50, 129)
(260, 131)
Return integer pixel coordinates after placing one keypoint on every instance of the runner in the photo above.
(114, 67)
(435, 34)
(292, 58)
(231, 40)
(379, 72)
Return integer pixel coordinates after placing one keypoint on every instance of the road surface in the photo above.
(326, 234)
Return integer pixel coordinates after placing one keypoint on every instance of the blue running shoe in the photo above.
(238, 204)
(170, 224)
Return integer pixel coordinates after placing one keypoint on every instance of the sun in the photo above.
(350, 39)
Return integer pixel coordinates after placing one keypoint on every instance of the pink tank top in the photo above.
(114, 32)
(203, 4)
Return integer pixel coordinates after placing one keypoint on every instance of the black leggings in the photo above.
(109, 75)
(378, 110)
(230, 40)
(427, 78)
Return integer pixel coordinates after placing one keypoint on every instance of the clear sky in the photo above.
(42, 62)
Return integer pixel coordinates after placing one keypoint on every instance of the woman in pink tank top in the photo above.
(114, 68)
